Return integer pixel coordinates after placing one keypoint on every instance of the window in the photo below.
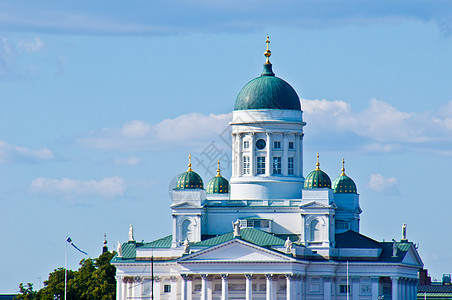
(290, 165)
(167, 288)
(290, 145)
(246, 144)
(277, 145)
(344, 288)
(260, 166)
(315, 231)
(246, 165)
(276, 165)
(342, 225)
(255, 223)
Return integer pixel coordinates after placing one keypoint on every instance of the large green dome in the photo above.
(189, 179)
(344, 184)
(317, 178)
(267, 92)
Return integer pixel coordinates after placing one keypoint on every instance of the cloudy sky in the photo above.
(101, 102)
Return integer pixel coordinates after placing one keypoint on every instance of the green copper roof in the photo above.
(189, 180)
(218, 185)
(267, 92)
(317, 179)
(251, 235)
(344, 185)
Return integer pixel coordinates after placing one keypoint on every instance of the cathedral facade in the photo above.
(269, 233)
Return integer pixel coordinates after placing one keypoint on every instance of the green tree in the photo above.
(94, 280)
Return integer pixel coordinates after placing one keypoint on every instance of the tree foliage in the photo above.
(94, 280)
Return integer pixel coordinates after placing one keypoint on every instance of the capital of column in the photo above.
(327, 278)
(157, 278)
(375, 279)
(290, 276)
(184, 277)
(204, 276)
(173, 278)
(355, 279)
(395, 278)
(269, 276)
(248, 276)
(224, 276)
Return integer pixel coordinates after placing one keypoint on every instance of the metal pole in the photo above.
(65, 268)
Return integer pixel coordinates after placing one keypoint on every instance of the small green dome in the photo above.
(317, 178)
(267, 92)
(218, 185)
(190, 179)
(344, 184)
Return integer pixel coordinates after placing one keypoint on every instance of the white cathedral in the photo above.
(270, 233)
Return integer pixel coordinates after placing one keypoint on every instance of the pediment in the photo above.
(236, 250)
(315, 205)
(412, 258)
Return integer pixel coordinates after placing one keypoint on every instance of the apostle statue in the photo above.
(131, 238)
(288, 244)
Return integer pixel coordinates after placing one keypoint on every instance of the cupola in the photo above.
(344, 184)
(317, 178)
(218, 184)
(267, 91)
(189, 179)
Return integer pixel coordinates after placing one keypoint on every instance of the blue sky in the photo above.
(102, 102)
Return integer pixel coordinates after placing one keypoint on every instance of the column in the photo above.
(203, 286)
(375, 280)
(118, 287)
(289, 286)
(268, 278)
(327, 287)
(355, 288)
(157, 290)
(252, 155)
(298, 164)
(183, 292)
(269, 165)
(190, 287)
(224, 286)
(249, 286)
(174, 291)
(285, 158)
(395, 288)
(333, 287)
(303, 286)
(239, 171)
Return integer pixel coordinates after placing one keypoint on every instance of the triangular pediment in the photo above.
(185, 204)
(314, 205)
(412, 258)
(236, 250)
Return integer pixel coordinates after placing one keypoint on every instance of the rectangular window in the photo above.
(167, 288)
(246, 165)
(277, 145)
(246, 144)
(260, 166)
(290, 166)
(344, 289)
(276, 165)
(341, 225)
(290, 145)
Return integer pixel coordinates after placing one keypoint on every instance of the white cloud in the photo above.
(11, 52)
(194, 130)
(381, 184)
(14, 154)
(129, 161)
(30, 45)
(109, 187)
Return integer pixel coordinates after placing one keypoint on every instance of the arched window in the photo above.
(187, 230)
(315, 231)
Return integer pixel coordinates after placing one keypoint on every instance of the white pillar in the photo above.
(183, 292)
(268, 166)
(224, 286)
(190, 288)
(355, 287)
(375, 281)
(157, 287)
(118, 287)
(249, 286)
(395, 288)
(174, 291)
(327, 287)
(203, 286)
(303, 286)
(289, 286)
(298, 160)
(253, 155)
(268, 289)
(239, 171)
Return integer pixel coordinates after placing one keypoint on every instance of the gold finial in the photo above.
(317, 164)
(268, 53)
(189, 163)
(218, 170)
(343, 168)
